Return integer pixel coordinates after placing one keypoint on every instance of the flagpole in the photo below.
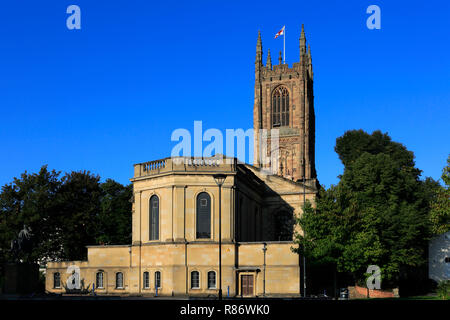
(284, 46)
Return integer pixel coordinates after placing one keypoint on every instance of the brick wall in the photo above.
(357, 292)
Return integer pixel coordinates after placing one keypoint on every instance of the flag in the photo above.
(280, 33)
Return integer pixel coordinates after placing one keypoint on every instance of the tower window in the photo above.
(280, 107)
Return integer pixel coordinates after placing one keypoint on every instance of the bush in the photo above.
(443, 289)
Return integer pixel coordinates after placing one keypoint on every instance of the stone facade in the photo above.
(176, 209)
(297, 134)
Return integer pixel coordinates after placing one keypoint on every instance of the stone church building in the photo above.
(177, 203)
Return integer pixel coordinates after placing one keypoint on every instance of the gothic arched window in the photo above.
(154, 218)
(280, 107)
(203, 216)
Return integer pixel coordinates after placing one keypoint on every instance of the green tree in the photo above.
(377, 214)
(65, 214)
(440, 205)
(115, 213)
(30, 200)
(325, 229)
(79, 207)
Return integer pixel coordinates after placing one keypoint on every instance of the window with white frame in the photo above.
(157, 279)
(99, 280)
(119, 280)
(146, 280)
(211, 280)
(195, 280)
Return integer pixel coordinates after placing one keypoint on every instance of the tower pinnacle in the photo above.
(302, 43)
(259, 51)
(269, 60)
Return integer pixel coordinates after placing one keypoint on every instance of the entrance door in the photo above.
(246, 285)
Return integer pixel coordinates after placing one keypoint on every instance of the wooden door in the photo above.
(246, 285)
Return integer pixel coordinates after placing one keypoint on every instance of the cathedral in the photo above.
(211, 226)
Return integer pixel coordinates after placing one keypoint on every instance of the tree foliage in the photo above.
(376, 215)
(440, 205)
(65, 214)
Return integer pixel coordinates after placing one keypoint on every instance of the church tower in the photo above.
(284, 100)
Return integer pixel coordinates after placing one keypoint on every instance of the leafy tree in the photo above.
(65, 214)
(115, 213)
(79, 206)
(325, 229)
(30, 200)
(440, 205)
(377, 214)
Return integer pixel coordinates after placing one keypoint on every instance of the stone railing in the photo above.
(153, 165)
(185, 164)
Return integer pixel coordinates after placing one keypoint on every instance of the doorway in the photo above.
(247, 285)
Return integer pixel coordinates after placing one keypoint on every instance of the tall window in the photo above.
(119, 280)
(99, 280)
(203, 216)
(56, 280)
(157, 279)
(280, 107)
(154, 218)
(195, 280)
(211, 280)
(146, 280)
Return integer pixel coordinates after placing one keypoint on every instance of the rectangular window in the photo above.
(158, 279)
(56, 280)
(146, 280)
(99, 280)
(119, 280)
(195, 280)
(211, 280)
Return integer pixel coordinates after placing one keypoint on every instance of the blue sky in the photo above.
(109, 95)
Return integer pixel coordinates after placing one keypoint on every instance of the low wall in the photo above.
(357, 292)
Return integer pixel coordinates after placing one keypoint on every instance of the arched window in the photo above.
(157, 279)
(56, 280)
(154, 218)
(211, 280)
(280, 107)
(119, 280)
(195, 280)
(146, 280)
(203, 216)
(99, 280)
